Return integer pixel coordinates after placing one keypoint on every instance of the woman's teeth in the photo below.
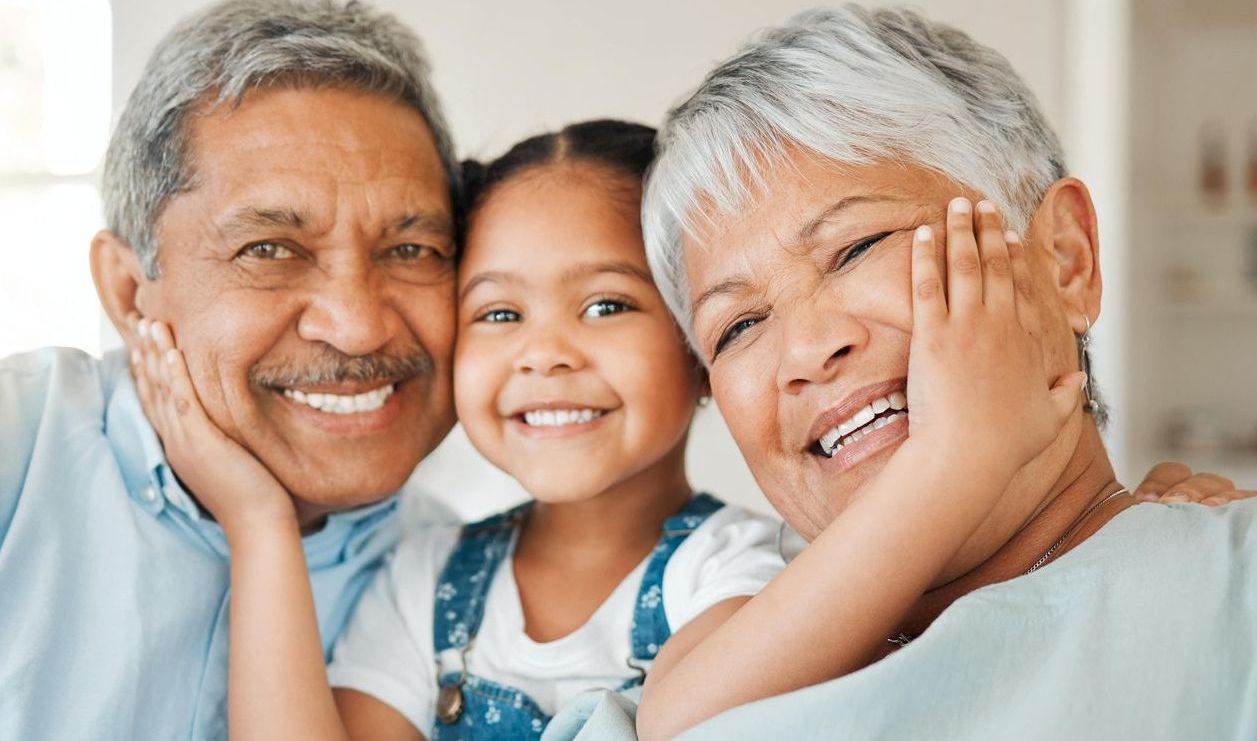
(560, 417)
(341, 404)
(863, 422)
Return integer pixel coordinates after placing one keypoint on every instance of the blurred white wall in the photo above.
(507, 70)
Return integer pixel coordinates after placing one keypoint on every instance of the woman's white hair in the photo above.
(854, 86)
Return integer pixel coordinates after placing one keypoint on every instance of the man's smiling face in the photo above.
(308, 276)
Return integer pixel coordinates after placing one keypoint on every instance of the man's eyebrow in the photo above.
(436, 222)
(586, 269)
(808, 230)
(251, 217)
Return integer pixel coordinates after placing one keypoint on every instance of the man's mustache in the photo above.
(332, 366)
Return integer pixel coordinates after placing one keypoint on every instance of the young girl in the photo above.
(571, 376)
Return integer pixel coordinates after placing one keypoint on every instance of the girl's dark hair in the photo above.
(621, 147)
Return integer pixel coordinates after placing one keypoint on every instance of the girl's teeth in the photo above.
(898, 400)
(560, 417)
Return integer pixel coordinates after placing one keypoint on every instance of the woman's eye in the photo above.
(496, 316)
(732, 333)
(854, 252)
(268, 251)
(605, 308)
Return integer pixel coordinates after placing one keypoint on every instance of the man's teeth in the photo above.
(864, 421)
(341, 404)
(560, 417)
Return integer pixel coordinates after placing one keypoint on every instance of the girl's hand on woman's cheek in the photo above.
(977, 384)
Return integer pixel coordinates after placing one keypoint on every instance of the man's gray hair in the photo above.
(854, 86)
(216, 57)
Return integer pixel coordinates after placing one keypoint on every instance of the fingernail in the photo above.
(1175, 496)
(172, 355)
(1213, 501)
(925, 233)
(142, 328)
(986, 207)
(960, 205)
(135, 357)
(1011, 236)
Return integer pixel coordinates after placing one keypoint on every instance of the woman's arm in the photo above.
(277, 681)
(836, 603)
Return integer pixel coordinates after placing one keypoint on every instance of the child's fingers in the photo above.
(1023, 285)
(929, 307)
(964, 266)
(1160, 479)
(997, 281)
(143, 389)
(1066, 395)
(1217, 500)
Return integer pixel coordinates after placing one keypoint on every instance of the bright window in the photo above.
(54, 124)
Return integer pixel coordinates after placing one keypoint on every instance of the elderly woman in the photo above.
(779, 220)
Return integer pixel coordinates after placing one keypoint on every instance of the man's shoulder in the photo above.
(31, 381)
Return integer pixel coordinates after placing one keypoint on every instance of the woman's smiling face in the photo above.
(803, 314)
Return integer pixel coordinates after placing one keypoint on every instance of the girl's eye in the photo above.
(606, 307)
(732, 333)
(496, 316)
(267, 251)
(856, 250)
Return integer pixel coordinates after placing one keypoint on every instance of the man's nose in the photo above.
(816, 336)
(351, 312)
(548, 351)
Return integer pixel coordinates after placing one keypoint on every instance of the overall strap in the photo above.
(650, 623)
(468, 573)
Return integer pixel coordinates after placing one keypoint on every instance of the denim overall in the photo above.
(486, 709)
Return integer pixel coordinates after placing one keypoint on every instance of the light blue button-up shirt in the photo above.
(113, 584)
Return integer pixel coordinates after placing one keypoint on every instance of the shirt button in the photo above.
(149, 494)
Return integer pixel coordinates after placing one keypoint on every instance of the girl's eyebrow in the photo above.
(575, 272)
(586, 269)
(489, 276)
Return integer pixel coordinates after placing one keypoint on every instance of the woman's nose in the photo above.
(816, 335)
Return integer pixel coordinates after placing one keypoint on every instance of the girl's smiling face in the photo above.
(570, 374)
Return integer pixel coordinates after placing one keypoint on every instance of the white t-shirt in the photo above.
(387, 649)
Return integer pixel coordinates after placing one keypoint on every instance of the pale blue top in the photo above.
(113, 584)
(1147, 630)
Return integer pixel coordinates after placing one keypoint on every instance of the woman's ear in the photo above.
(1067, 220)
(119, 279)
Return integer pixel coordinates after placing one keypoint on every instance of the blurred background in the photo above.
(1154, 101)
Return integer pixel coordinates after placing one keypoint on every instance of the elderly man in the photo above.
(779, 221)
(279, 188)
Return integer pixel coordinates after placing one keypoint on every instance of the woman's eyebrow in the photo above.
(808, 230)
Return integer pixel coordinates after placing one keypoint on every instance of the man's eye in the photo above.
(496, 316)
(268, 251)
(605, 307)
(413, 252)
(856, 250)
(732, 333)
